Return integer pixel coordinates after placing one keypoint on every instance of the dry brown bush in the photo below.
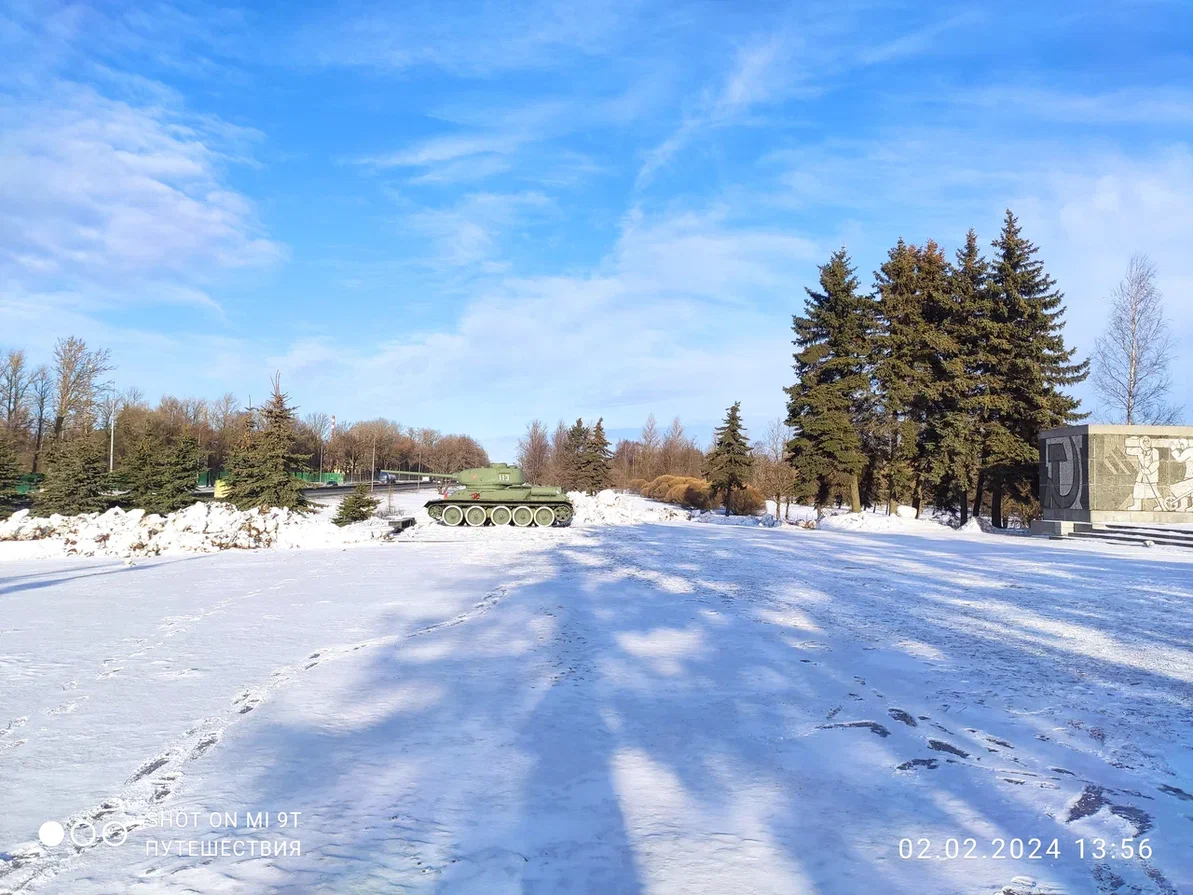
(637, 485)
(747, 502)
(657, 488)
(686, 491)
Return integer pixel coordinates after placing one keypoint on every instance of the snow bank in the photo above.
(797, 514)
(900, 522)
(615, 508)
(715, 518)
(869, 522)
(200, 528)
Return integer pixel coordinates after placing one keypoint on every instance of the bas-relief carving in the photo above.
(1149, 492)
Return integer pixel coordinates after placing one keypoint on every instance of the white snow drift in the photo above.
(200, 528)
(614, 508)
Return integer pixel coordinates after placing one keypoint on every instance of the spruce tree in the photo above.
(10, 476)
(1034, 366)
(975, 330)
(946, 455)
(573, 448)
(830, 405)
(261, 470)
(77, 480)
(137, 474)
(357, 506)
(899, 346)
(595, 467)
(729, 461)
(159, 478)
(176, 476)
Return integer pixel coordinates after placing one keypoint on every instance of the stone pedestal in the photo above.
(1116, 475)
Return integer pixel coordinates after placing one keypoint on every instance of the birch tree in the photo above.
(1132, 357)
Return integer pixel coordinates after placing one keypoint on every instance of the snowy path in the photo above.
(657, 708)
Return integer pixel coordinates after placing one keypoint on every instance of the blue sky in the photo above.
(468, 215)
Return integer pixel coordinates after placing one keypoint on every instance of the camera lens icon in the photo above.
(83, 834)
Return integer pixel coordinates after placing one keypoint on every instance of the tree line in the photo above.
(578, 457)
(66, 421)
(935, 385)
(575, 458)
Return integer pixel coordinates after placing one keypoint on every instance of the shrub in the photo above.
(683, 490)
(357, 506)
(748, 501)
(637, 485)
(694, 493)
(658, 488)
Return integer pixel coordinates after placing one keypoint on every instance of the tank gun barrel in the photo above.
(445, 476)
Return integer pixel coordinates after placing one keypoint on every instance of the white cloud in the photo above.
(688, 313)
(447, 149)
(469, 231)
(114, 201)
(760, 73)
(917, 42)
(1126, 106)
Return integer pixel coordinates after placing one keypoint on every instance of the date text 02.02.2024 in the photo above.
(1015, 849)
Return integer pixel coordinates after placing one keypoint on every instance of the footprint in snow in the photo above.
(942, 746)
(873, 726)
(900, 715)
(929, 763)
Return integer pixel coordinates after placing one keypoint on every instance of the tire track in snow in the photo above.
(156, 780)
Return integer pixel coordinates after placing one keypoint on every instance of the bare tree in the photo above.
(41, 388)
(772, 474)
(534, 451)
(1132, 357)
(556, 466)
(648, 457)
(78, 370)
(14, 388)
(109, 403)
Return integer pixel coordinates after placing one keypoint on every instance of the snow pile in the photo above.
(929, 520)
(614, 508)
(200, 528)
(796, 513)
(766, 520)
(976, 525)
(867, 522)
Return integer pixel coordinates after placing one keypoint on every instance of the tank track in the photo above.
(561, 513)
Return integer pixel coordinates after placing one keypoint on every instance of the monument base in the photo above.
(1052, 528)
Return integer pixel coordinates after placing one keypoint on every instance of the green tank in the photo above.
(497, 494)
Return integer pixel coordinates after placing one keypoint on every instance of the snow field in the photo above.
(647, 708)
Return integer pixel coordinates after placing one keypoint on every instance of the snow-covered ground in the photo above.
(661, 707)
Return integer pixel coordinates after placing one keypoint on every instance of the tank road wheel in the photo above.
(452, 515)
(523, 516)
(544, 517)
(563, 514)
(435, 512)
(475, 515)
(500, 515)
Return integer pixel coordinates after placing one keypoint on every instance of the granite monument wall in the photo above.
(1117, 474)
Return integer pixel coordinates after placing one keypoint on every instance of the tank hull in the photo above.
(511, 510)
